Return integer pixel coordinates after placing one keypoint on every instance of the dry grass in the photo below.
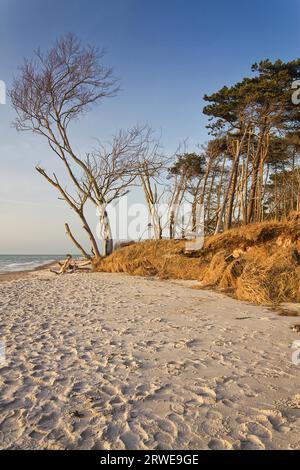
(260, 262)
(163, 258)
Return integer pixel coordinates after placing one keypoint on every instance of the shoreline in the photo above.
(15, 275)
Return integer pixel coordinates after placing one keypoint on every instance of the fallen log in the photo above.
(71, 266)
(64, 266)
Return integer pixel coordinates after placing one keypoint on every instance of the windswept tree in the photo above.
(249, 115)
(112, 171)
(186, 175)
(150, 170)
(53, 90)
(228, 109)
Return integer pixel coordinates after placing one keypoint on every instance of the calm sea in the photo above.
(12, 263)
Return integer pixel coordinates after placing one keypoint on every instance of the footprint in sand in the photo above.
(183, 430)
(194, 344)
(207, 394)
(219, 444)
(257, 429)
(174, 367)
(278, 422)
(251, 443)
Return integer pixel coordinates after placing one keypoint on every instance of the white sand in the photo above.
(108, 361)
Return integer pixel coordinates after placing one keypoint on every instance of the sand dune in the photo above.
(108, 361)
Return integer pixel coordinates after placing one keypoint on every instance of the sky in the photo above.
(167, 55)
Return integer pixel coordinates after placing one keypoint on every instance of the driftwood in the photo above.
(70, 266)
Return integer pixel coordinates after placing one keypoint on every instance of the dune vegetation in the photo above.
(258, 262)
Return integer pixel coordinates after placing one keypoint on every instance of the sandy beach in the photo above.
(109, 361)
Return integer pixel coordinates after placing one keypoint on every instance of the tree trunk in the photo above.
(76, 243)
(232, 196)
(107, 241)
(239, 145)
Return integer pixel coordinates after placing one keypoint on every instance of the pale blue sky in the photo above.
(167, 54)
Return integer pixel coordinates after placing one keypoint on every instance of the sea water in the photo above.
(14, 263)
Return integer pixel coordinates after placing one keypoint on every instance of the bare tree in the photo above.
(112, 170)
(150, 169)
(52, 91)
(186, 175)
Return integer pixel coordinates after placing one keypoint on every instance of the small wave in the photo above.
(25, 266)
(29, 263)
